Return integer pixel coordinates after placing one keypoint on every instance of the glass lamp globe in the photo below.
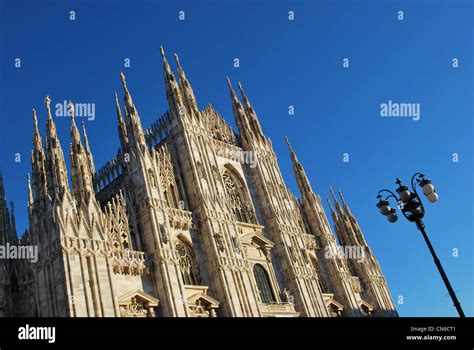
(433, 197)
(392, 217)
(385, 209)
(404, 195)
(428, 188)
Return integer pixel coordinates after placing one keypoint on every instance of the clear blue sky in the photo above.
(282, 63)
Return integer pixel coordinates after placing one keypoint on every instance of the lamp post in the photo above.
(413, 210)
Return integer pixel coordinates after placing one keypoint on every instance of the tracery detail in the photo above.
(187, 264)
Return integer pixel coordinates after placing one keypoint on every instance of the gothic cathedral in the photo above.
(179, 224)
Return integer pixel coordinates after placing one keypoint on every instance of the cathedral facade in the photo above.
(179, 223)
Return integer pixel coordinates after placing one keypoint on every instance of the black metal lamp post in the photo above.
(413, 210)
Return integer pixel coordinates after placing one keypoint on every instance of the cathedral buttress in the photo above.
(281, 216)
(373, 285)
(331, 265)
(202, 176)
(152, 206)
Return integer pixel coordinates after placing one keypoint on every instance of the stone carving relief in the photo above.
(138, 304)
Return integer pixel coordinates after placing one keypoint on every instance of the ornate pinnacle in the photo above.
(35, 120)
(47, 101)
(70, 107)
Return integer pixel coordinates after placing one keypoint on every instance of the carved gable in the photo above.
(366, 308)
(137, 304)
(202, 305)
(334, 308)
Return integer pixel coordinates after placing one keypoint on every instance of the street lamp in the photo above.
(411, 206)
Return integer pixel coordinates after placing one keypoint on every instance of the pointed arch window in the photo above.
(187, 264)
(239, 206)
(263, 284)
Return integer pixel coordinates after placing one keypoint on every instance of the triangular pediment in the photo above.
(330, 301)
(363, 303)
(139, 294)
(206, 299)
(258, 239)
(137, 304)
(202, 305)
(366, 308)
